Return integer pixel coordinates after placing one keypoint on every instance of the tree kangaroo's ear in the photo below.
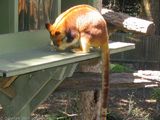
(48, 26)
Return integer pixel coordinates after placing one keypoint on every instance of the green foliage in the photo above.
(140, 113)
(131, 7)
(113, 116)
(156, 94)
(117, 68)
(135, 112)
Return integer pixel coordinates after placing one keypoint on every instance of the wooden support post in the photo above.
(25, 114)
(67, 71)
(5, 100)
(27, 86)
(32, 89)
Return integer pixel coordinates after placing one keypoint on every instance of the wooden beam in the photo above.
(27, 86)
(6, 88)
(33, 88)
(125, 22)
(9, 91)
(6, 82)
(52, 85)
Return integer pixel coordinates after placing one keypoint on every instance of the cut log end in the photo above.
(151, 29)
(125, 22)
(138, 25)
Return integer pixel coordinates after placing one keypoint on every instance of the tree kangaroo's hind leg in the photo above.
(84, 45)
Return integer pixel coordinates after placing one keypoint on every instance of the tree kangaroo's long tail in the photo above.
(105, 80)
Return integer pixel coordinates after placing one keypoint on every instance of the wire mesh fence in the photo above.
(145, 53)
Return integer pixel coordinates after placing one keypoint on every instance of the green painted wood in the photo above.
(32, 89)
(4, 100)
(52, 85)
(25, 114)
(70, 69)
(27, 87)
(44, 93)
(13, 15)
(49, 87)
(23, 41)
(4, 10)
(4, 16)
(9, 16)
(42, 58)
(16, 64)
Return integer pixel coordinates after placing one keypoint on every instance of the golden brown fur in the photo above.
(85, 26)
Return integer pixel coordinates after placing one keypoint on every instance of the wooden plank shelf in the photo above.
(29, 51)
(30, 71)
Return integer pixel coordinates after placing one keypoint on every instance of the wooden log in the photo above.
(127, 23)
(148, 74)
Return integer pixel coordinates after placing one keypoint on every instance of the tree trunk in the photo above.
(150, 11)
(88, 105)
(89, 101)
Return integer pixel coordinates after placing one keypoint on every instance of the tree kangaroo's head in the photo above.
(57, 36)
(62, 38)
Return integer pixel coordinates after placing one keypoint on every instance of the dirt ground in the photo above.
(134, 104)
(124, 104)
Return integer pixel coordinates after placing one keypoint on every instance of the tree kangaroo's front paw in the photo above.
(79, 51)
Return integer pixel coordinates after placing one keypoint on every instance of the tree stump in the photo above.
(90, 100)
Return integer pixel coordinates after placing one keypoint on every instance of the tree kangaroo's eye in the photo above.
(69, 35)
(57, 33)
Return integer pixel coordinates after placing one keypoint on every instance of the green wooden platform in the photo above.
(30, 71)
